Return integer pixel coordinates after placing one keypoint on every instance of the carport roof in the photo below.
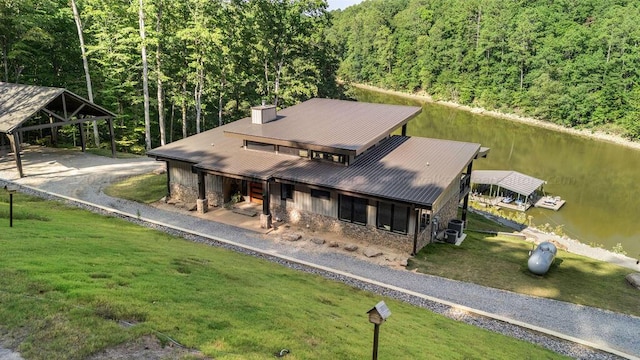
(20, 102)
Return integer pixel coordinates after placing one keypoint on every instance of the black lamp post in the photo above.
(11, 190)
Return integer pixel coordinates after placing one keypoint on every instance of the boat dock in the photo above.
(550, 202)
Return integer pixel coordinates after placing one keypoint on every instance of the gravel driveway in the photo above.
(82, 176)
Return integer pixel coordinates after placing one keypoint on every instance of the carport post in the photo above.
(113, 137)
(15, 146)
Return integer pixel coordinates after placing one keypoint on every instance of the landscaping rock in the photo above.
(404, 262)
(334, 244)
(291, 236)
(318, 241)
(634, 280)
(351, 247)
(370, 253)
(191, 207)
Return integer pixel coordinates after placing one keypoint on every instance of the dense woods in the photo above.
(572, 62)
(173, 68)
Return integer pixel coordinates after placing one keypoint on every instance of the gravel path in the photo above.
(542, 321)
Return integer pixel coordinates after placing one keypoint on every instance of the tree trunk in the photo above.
(5, 60)
(276, 85)
(85, 64)
(220, 100)
(197, 95)
(145, 78)
(159, 75)
(184, 109)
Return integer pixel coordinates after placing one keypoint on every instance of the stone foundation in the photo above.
(189, 195)
(368, 234)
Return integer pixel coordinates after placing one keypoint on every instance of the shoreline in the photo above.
(585, 133)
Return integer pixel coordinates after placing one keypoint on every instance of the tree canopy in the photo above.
(208, 61)
(572, 62)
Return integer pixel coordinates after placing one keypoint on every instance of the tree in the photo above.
(85, 64)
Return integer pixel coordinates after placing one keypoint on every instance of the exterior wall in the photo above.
(319, 214)
(448, 211)
(184, 184)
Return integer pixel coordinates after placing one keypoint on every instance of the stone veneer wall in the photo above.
(367, 233)
(448, 212)
(190, 195)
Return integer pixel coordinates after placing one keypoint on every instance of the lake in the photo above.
(598, 179)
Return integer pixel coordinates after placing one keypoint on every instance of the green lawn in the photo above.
(147, 188)
(68, 276)
(501, 262)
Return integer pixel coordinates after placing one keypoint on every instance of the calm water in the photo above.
(599, 180)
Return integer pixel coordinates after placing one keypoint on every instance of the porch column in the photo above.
(404, 130)
(265, 217)
(415, 232)
(465, 204)
(14, 139)
(113, 137)
(201, 203)
(168, 179)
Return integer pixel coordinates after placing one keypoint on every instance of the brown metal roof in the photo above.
(408, 169)
(338, 126)
(20, 102)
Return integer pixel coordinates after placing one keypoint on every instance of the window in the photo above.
(353, 209)
(292, 151)
(286, 191)
(252, 145)
(393, 217)
(320, 194)
(328, 157)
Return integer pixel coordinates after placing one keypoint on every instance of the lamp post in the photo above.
(11, 190)
(377, 315)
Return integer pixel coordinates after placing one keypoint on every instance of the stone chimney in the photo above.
(263, 114)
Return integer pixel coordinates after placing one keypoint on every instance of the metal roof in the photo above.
(408, 169)
(20, 102)
(507, 179)
(339, 126)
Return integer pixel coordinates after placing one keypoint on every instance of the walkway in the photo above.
(84, 178)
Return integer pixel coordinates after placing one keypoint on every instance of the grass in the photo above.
(145, 188)
(107, 152)
(65, 283)
(501, 262)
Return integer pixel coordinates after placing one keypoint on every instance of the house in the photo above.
(330, 164)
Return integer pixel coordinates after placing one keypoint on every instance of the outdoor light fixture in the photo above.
(377, 315)
(11, 189)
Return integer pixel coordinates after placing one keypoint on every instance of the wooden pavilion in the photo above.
(20, 105)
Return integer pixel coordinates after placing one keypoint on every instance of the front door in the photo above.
(255, 192)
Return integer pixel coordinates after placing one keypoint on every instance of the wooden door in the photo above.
(255, 192)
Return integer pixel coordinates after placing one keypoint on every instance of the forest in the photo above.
(167, 68)
(571, 62)
(170, 69)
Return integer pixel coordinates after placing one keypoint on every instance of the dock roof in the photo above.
(339, 126)
(507, 179)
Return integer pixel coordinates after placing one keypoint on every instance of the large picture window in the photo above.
(353, 209)
(393, 217)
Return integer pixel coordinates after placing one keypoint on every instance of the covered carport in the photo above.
(20, 106)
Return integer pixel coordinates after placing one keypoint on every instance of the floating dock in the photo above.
(550, 202)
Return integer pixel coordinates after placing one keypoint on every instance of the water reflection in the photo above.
(598, 179)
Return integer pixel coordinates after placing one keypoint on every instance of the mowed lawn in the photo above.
(68, 278)
(501, 262)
